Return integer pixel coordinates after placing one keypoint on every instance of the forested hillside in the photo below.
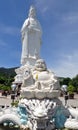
(7, 72)
(6, 77)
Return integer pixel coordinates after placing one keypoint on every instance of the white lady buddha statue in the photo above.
(31, 38)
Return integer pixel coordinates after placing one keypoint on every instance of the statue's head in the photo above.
(40, 65)
(32, 12)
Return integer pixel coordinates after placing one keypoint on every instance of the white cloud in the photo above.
(70, 18)
(10, 30)
(44, 5)
(68, 66)
(2, 43)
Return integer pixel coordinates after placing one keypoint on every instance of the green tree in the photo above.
(65, 81)
(71, 89)
(74, 82)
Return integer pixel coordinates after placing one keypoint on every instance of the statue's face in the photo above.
(32, 12)
(40, 65)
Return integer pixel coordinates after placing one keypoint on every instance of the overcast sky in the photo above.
(59, 21)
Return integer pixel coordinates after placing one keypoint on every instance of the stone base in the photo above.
(40, 94)
(30, 61)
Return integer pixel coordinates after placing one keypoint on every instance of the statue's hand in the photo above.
(28, 23)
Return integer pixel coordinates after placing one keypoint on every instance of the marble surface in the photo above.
(31, 38)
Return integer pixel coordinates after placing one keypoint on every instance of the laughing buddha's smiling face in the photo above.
(40, 65)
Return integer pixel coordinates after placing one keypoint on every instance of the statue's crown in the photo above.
(32, 7)
(32, 11)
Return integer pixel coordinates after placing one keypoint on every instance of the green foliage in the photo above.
(70, 89)
(65, 81)
(5, 88)
(7, 72)
(6, 78)
(74, 82)
(15, 103)
(68, 81)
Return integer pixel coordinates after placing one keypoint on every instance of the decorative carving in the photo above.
(40, 82)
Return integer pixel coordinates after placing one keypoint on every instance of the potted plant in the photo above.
(71, 91)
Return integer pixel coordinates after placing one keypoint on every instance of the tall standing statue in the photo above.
(31, 38)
